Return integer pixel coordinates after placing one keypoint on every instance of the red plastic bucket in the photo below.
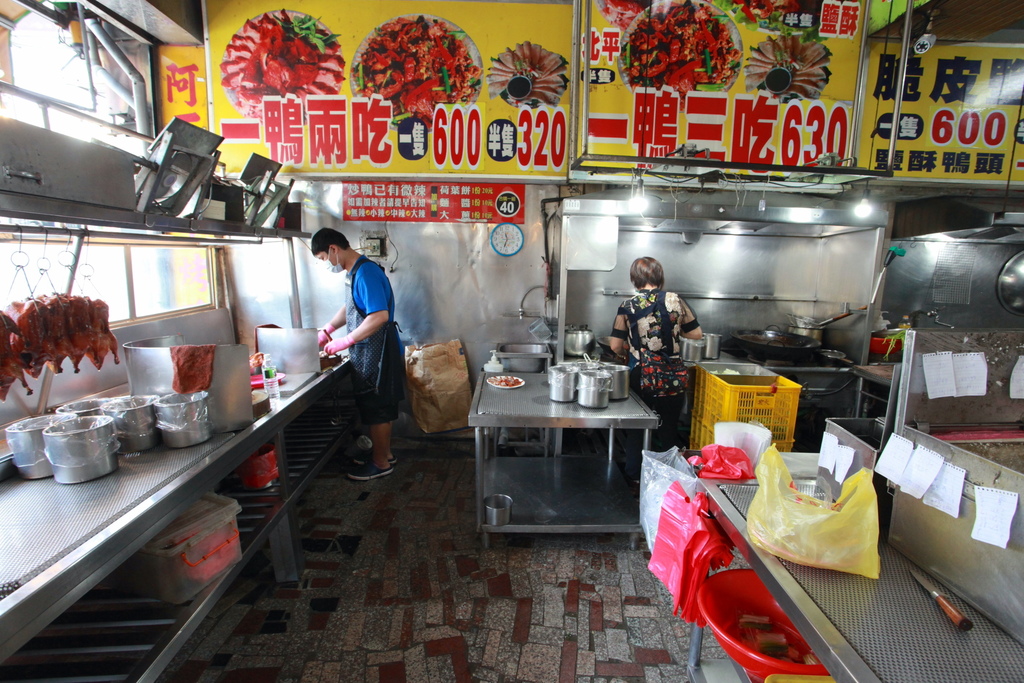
(726, 596)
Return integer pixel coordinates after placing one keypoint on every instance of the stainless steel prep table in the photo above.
(865, 630)
(59, 541)
(560, 494)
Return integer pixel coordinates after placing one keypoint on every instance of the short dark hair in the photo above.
(647, 271)
(324, 238)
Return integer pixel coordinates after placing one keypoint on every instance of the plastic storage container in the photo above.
(726, 596)
(772, 401)
(187, 555)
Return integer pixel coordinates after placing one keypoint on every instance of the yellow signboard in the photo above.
(765, 82)
(960, 118)
(181, 88)
(398, 88)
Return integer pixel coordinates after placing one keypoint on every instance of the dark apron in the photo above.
(376, 361)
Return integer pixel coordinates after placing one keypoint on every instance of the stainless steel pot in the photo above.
(89, 407)
(579, 341)
(594, 388)
(562, 382)
(812, 332)
(135, 422)
(712, 346)
(81, 449)
(25, 438)
(620, 381)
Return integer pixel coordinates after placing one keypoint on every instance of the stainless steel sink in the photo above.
(524, 357)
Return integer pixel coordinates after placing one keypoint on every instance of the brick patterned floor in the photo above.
(397, 588)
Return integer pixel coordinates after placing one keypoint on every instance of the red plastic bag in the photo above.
(722, 462)
(687, 546)
(259, 469)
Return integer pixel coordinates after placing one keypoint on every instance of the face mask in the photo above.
(327, 265)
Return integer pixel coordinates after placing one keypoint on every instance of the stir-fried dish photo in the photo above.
(278, 54)
(683, 46)
(417, 62)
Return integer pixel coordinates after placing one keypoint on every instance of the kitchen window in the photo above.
(136, 281)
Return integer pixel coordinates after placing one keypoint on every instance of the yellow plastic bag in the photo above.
(806, 530)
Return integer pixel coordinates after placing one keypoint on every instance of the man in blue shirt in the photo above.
(376, 356)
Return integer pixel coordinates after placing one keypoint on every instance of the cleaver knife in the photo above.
(955, 615)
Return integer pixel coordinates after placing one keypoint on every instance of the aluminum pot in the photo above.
(183, 419)
(81, 449)
(712, 346)
(134, 421)
(812, 332)
(562, 382)
(89, 407)
(692, 350)
(25, 438)
(620, 381)
(594, 388)
(579, 341)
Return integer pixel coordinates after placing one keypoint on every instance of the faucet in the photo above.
(934, 313)
(523, 300)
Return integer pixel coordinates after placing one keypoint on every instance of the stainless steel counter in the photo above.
(58, 541)
(872, 631)
(559, 494)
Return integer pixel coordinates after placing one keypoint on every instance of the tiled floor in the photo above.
(397, 588)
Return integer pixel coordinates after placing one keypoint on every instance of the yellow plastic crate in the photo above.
(702, 434)
(772, 401)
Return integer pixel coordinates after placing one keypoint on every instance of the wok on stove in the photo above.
(772, 345)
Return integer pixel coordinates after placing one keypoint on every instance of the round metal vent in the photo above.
(1010, 285)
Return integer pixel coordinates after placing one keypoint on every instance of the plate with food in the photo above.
(620, 13)
(417, 61)
(505, 382)
(528, 76)
(683, 46)
(277, 54)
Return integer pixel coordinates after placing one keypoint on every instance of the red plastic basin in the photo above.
(884, 345)
(726, 596)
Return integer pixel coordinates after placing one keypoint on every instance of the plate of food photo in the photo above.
(505, 382)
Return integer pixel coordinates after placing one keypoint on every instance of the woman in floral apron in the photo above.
(375, 356)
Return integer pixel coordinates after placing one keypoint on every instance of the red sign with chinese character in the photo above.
(422, 202)
(182, 84)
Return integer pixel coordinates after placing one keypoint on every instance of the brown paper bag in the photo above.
(438, 382)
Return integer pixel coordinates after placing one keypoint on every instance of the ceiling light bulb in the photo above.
(638, 203)
(863, 208)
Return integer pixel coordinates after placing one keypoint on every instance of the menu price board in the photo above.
(960, 117)
(766, 82)
(393, 87)
(422, 202)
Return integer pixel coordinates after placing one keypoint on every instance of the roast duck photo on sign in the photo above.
(42, 331)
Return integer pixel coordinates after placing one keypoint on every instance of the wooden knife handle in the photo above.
(955, 615)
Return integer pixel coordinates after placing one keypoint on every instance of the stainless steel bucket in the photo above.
(497, 509)
(692, 350)
(712, 346)
(620, 381)
(25, 439)
(562, 382)
(183, 419)
(594, 388)
(89, 407)
(134, 421)
(81, 449)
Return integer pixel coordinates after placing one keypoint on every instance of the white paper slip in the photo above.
(921, 471)
(844, 459)
(1017, 379)
(945, 492)
(827, 455)
(970, 372)
(894, 458)
(938, 374)
(994, 515)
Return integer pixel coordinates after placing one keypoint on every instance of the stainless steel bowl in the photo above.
(183, 419)
(25, 438)
(134, 421)
(84, 408)
(81, 449)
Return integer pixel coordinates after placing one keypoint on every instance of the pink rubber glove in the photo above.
(339, 345)
(323, 336)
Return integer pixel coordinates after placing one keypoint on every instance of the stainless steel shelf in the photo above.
(49, 210)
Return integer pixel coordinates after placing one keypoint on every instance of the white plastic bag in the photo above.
(752, 438)
(657, 472)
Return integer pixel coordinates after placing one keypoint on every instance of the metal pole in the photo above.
(574, 89)
(87, 54)
(862, 85)
(143, 121)
(900, 82)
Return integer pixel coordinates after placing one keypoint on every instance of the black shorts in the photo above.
(374, 409)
